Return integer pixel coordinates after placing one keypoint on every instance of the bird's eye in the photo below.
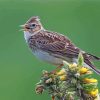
(33, 25)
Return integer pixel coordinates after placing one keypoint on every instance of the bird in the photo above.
(53, 47)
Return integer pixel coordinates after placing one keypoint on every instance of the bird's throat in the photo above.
(27, 35)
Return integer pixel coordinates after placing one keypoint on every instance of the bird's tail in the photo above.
(89, 63)
(92, 57)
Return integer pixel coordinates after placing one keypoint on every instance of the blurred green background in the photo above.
(19, 69)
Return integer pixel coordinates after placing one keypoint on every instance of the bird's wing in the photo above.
(57, 45)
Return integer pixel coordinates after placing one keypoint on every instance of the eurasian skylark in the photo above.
(53, 47)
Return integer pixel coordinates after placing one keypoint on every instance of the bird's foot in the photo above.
(57, 69)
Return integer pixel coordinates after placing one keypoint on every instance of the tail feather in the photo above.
(88, 62)
(92, 57)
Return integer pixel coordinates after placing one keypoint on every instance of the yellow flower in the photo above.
(87, 80)
(61, 72)
(94, 93)
(63, 77)
(83, 70)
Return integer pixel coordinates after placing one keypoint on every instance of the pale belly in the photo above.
(53, 60)
(47, 57)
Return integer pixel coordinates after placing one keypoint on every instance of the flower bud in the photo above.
(94, 93)
(87, 80)
(73, 65)
(83, 70)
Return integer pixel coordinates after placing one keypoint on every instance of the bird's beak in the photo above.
(23, 27)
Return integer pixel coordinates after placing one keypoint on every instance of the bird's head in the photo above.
(33, 25)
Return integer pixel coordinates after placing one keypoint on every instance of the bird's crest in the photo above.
(33, 19)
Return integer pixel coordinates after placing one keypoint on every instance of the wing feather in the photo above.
(56, 44)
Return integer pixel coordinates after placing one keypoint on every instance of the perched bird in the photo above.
(53, 47)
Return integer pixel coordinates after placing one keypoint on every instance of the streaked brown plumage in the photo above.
(53, 47)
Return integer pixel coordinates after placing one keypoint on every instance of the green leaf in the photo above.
(89, 87)
(84, 76)
(80, 59)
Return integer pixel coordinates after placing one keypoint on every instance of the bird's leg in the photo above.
(60, 66)
(57, 68)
